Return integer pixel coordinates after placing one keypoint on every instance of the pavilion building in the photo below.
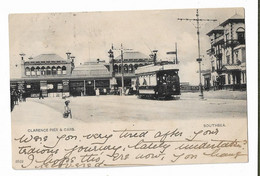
(55, 76)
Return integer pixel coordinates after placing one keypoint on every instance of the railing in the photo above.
(233, 43)
(125, 74)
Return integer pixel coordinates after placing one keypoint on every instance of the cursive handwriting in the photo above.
(126, 147)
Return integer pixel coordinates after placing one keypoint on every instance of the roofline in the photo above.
(212, 31)
(232, 20)
(61, 78)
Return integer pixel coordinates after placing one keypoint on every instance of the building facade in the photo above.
(54, 76)
(228, 55)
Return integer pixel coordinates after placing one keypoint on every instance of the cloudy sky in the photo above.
(89, 36)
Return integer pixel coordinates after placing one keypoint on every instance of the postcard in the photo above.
(128, 88)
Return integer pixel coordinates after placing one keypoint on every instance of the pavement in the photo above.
(220, 94)
(110, 109)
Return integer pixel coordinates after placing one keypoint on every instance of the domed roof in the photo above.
(47, 57)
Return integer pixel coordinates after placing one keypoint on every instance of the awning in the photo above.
(231, 68)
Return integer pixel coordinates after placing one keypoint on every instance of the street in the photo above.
(131, 109)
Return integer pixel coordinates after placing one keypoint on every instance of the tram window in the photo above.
(152, 80)
(145, 82)
(141, 80)
(59, 86)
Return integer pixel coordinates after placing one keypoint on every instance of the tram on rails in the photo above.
(160, 81)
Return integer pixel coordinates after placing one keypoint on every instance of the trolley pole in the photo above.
(199, 59)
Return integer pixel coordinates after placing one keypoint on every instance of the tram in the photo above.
(160, 81)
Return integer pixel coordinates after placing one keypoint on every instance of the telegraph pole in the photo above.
(122, 66)
(199, 59)
(122, 70)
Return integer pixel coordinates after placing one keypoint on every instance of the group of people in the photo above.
(16, 97)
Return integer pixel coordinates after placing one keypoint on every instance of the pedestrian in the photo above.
(12, 100)
(40, 96)
(67, 110)
(19, 95)
(15, 97)
(24, 96)
(97, 92)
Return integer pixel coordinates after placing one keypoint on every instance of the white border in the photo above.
(32, 6)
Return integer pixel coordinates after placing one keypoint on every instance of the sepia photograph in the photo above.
(128, 88)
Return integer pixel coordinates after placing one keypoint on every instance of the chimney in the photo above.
(68, 55)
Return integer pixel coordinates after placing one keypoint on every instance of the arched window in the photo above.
(48, 69)
(64, 70)
(38, 71)
(33, 71)
(241, 35)
(27, 71)
(53, 70)
(125, 68)
(116, 68)
(135, 66)
(43, 71)
(119, 68)
(58, 70)
(130, 68)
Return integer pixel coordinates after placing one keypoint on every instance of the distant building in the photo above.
(228, 55)
(186, 87)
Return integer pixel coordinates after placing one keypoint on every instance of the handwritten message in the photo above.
(65, 148)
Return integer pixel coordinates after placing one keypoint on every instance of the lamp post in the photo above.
(113, 79)
(122, 66)
(111, 56)
(122, 70)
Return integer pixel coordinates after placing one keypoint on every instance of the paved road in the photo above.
(131, 109)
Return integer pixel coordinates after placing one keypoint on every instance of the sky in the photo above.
(89, 35)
